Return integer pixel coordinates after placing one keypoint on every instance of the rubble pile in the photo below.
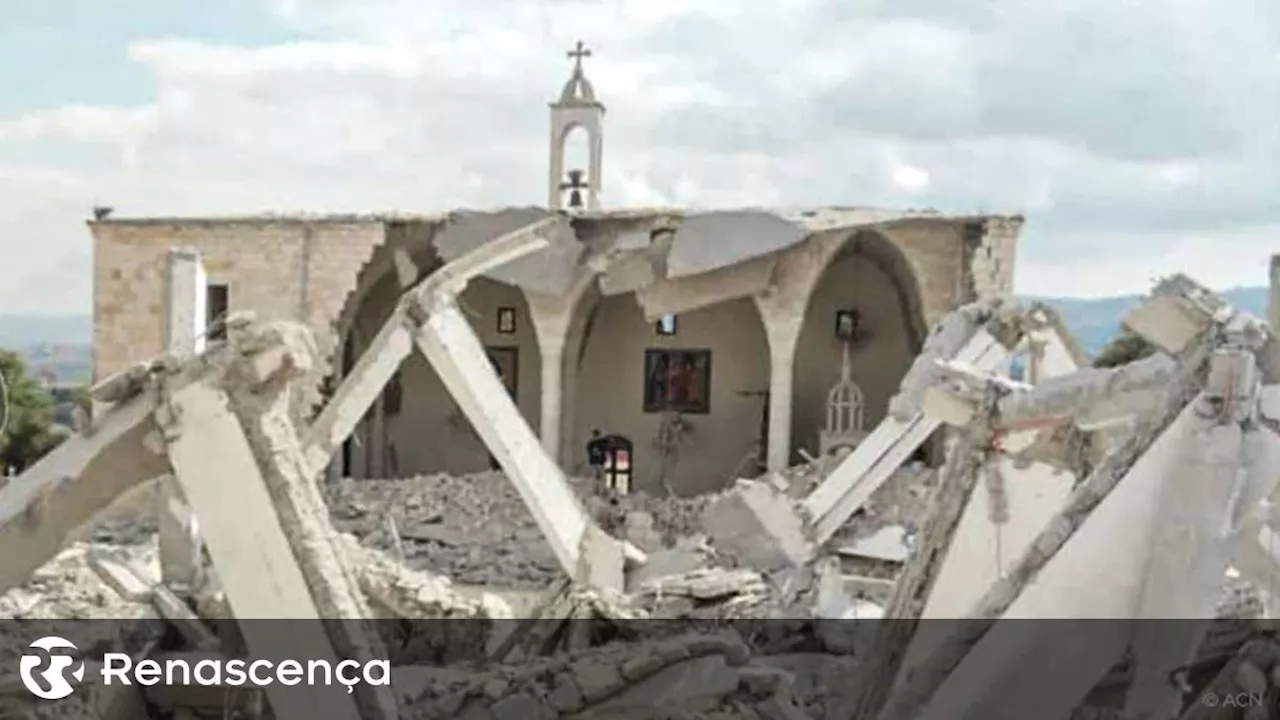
(714, 674)
(476, 530)
(68, 588)
(473, 529)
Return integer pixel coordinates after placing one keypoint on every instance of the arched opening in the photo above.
(866, 307)
(691, 400)
(575, 149)
(416, 427)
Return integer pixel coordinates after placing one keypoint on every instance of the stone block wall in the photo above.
(934, 249)
(991, 268)
(948, 272)
(286, 269)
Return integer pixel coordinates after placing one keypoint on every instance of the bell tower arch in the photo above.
(576, 108)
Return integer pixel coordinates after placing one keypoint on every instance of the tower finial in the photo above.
(577, 53)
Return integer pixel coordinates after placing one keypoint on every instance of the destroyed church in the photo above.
(704, 348)
(702, 345)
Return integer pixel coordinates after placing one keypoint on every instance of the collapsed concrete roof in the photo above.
(674, 259)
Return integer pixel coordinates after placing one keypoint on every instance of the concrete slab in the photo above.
(551, 272)
(1000, 677)
(759, 526)
(878, 456)
(43, 508)
(712, 240)
(889, 544)
(217, 470)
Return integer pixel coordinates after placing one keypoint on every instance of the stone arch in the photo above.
(428, 433)
(609, 351)
(872, 275)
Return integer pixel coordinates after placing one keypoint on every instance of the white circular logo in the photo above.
(50, 683)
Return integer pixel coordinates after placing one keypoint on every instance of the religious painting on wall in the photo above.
(677, 381)
(666, 325)
(506, 320)
(506, 362)
(847, 322)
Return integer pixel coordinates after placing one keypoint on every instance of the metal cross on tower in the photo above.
(577, 53)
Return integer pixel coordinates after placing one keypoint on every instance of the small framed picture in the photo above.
(847, 322)
(506, 320)
(666, 325)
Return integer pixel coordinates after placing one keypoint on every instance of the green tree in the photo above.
(1126, 348)
(28, 416)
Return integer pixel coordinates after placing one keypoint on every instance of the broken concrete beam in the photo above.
(870, 690)
(956, 336)
(454, 351)
(358, 391)
(881, 453)
(705, 584)
(178, 536)
(42, 509)
(445, 337)
(1100, 396)
(920, 685)
(450, 280)
(551, 271)
(271, 357)
(674, 296)
(218, 471)
(758, 526)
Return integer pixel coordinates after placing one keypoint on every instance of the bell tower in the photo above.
(576, 188)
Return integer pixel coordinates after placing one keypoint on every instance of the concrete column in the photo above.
(551, 316)
(177, 529)
(185, 326)
(783, 332)
(1272, 355)
(552, 417)
(782, 310)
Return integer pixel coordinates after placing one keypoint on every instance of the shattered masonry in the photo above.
(481, 547)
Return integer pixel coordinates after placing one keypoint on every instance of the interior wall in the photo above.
(851, 281)
(610, 386)
(430, 433)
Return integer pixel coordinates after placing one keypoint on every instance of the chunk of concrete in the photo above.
(888, 543)
(693, 686)
(1169, 322)
(760, 526)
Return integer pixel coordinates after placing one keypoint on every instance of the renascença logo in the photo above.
(52, 683)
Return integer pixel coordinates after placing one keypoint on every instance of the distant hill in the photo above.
(57, 347)
(22, 331)
(1096, 321)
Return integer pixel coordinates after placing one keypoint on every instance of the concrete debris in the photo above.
(832, 540)
(69, 588)
(758, 526)
(688, 675)
(476, 530)
(891, 544)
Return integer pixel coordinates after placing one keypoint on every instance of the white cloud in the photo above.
(1122, 132)
(910, 179)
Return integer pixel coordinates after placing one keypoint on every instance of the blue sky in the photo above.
(1139, 138)
(80, 46)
